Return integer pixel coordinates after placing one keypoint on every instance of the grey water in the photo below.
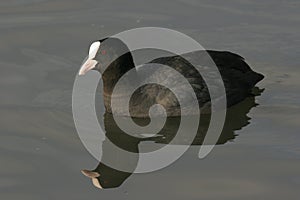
(42, 45)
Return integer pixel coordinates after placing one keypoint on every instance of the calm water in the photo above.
(42, 46)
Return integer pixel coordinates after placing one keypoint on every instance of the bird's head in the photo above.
(104, 53)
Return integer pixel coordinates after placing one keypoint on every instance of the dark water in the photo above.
(42, 46)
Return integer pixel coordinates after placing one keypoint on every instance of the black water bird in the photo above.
(112, 58)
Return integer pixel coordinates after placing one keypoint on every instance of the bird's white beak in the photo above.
(87, 66)
(90, 63)
(89, 173)
(93, 176)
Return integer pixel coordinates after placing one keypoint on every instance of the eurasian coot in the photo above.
(112, 58)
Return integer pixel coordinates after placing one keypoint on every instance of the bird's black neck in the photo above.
(115, 71)
(112, 75)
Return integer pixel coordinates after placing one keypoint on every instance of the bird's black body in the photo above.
(237, 76)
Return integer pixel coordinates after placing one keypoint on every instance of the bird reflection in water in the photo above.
(104, 176)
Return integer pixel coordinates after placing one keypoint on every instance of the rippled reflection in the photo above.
(104, 176)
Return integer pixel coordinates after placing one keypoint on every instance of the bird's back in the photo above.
(236, 74)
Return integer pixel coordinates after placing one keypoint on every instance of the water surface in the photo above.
(41, 47)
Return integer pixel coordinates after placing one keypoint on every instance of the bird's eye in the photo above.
(103, 52)
(93, 49)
